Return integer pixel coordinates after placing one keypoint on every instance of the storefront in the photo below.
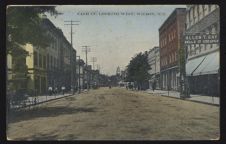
(203, 74)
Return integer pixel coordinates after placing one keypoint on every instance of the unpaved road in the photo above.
(110, 114)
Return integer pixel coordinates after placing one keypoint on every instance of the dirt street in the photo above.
(117, 113)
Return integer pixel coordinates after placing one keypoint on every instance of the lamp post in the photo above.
(79, 87)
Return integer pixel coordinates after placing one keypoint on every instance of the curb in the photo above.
(186, 99)
(192, 100)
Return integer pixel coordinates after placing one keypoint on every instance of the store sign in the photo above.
(201, 39)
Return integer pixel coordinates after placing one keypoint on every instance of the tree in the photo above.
(23, 25)
(137, 70)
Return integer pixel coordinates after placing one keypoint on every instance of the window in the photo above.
(175, 56)
(194, 14)
(48, 61)
(205, 9)
(40, 60)
(55, 62)
(209, 8)
(200, 12)
(35, 59)
(44, 62)
(51, 62)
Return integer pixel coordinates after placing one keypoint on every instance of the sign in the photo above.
(201, 39)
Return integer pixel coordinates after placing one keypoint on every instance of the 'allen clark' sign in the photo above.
(201, 39)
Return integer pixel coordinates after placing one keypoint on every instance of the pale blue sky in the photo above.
(114, 39)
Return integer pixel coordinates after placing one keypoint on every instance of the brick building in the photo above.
(169, 43)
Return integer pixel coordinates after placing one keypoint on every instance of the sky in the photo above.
(115, 33)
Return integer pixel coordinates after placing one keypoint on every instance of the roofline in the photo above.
(170, 16)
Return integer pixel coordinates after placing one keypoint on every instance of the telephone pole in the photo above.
(86, 49)
(71, 23)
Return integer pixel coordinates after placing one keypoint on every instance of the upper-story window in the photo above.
(44, 62)
(195, 14)
(40, 60)
(47, 61)
(205, 10)
(200, 12)
(187, 19)
(191, 16)
(51, 62)
(35, 58)
(209, 8)
(197, 11)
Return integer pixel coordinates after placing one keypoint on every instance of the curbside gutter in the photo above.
(191, 100)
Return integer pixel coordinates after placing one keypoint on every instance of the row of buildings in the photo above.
(188, 51)
(54, 66)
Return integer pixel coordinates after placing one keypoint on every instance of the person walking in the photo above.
(55, 90)
(154, 85)
(50, 89)
(62, 89)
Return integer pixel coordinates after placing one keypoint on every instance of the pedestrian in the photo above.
(50, 89)
(62, 89)
(35, 101)
(154, 85)
(55, 90)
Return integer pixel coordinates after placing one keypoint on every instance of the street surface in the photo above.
(116, 114)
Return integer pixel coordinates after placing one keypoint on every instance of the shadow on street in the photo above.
(23, 115)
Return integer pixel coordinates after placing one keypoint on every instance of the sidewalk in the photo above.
(195, 98)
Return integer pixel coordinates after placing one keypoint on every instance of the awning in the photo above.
(210, 65)
(192, 64)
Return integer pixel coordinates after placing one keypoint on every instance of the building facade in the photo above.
(50, 66)
(80, 73)
(202, 66)
(154, 62)
(170, 43)
(36, 62)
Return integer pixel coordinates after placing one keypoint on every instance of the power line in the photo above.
(71, 23)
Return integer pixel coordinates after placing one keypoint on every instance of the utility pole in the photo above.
(94, 59)
(71, 23)
(86, 49)
(79, 87)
